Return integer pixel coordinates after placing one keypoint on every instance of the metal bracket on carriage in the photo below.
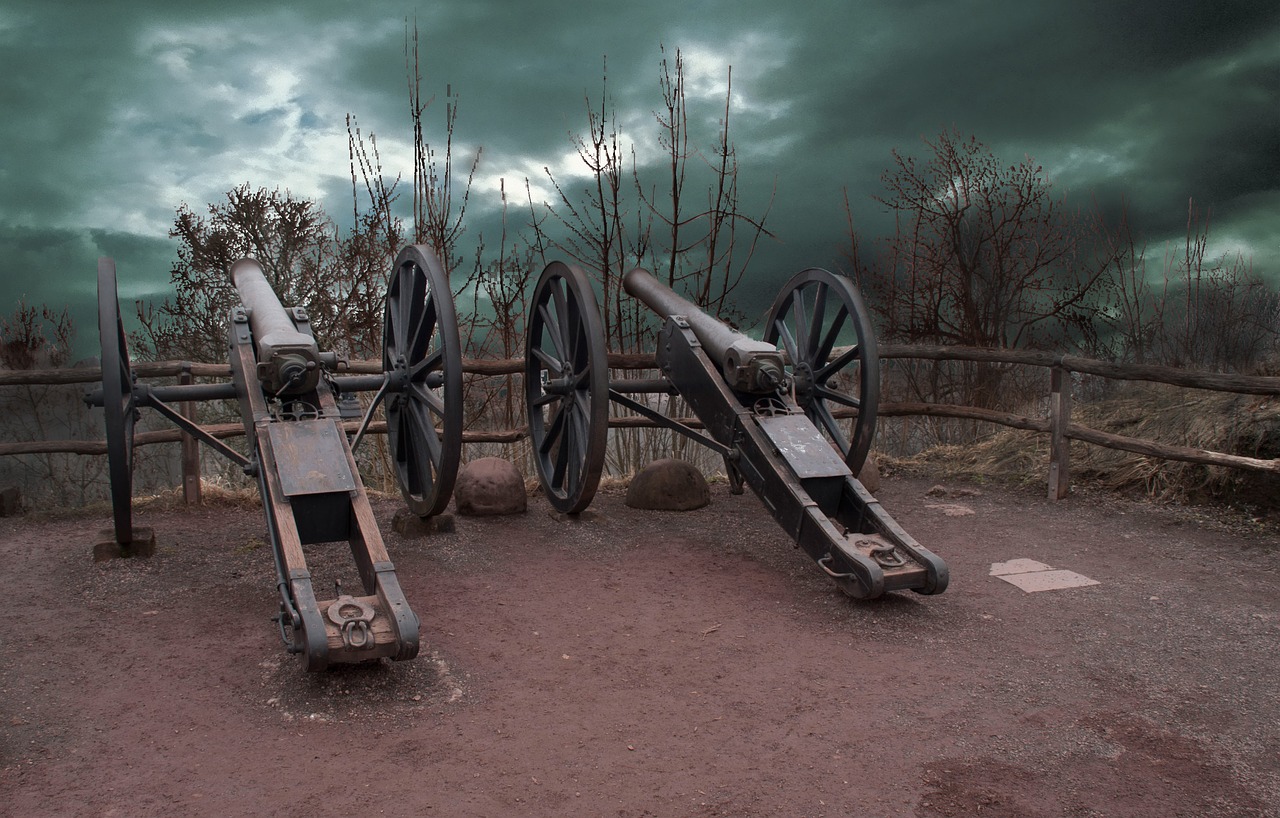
(354, 619)
(877, 548)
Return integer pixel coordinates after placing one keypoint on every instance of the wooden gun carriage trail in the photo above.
(767, 407)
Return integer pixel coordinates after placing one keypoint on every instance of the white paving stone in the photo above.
(1032, 576)
(1017, 567)
(1033, 581)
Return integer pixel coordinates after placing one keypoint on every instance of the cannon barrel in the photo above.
(288, 359)
(748, 365)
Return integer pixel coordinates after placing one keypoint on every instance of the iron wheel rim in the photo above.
(566, 387)
(420, 351)
(119, 404)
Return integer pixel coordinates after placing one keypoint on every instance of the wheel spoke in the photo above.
(821, 415)
(562, 453)
(552, 331)
(576, 438)
(422, 395)
(421, 331)
(545, 398)
(420, 464)
(551, 364)
(562, 307)
(823, 350)
(839, 397)
(853, 353)
(433, 361)
(801, 322)
(815, 327)
(553, 428)
(788, 342)
(425, 426)
(404, 311)
(576, 331)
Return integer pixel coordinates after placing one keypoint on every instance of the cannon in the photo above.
(771, 408)
(296, 412)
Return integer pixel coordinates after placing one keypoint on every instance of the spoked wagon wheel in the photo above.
(423, 365)
(566, 382)
(815, 313)
(119, 406)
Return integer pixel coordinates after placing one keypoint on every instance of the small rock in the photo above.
(668, 485)
(490, 486)
(951, 509)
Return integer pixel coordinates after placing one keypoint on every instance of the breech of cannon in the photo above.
(748, 365)
(288, 359)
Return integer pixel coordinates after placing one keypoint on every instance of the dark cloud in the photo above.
(58, 267)
(119, 112)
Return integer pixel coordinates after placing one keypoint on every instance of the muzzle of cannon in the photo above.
(774, 409)
(291, 402)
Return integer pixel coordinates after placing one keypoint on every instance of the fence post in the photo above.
(190, 447)
(1059, 445)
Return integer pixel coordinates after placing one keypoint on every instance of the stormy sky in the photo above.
(116, 113)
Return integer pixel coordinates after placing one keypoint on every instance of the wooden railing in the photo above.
(1057, 424)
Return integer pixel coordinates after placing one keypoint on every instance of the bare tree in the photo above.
(983, 254)
(618, 219)
(438, 213)
(1199, 311)
(41, 338)
(1213, 313)
(593, 219)
(1127, 309)
(291, 238)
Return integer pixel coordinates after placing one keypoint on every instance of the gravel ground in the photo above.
(636, 663)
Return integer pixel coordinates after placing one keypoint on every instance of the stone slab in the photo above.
(1033, 581)
(1020, 566)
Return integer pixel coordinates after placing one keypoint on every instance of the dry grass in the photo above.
(1234, 424)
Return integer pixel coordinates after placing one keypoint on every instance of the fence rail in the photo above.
(1057, 425)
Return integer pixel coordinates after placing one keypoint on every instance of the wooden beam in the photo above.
(1059, 445)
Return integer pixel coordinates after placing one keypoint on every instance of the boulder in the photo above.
(668, 485)
(488, 487)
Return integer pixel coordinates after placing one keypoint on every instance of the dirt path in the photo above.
(647, 664)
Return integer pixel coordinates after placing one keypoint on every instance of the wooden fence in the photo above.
(1057, 424)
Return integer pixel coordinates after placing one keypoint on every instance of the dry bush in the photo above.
(1244, 425)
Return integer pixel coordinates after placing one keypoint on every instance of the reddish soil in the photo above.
(655, 664)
